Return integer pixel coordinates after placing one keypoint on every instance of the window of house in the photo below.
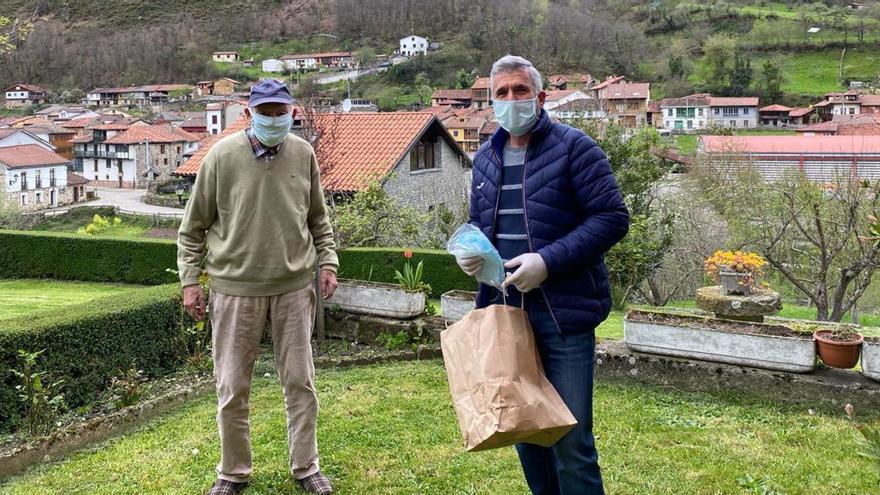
(425, 154)
(38, 197)
(162, 148)
(178, 150)
(108, 163)
(213, 119)
(23, 179)
(24, 200)
(96, 167)
(166, 162)
(746, 111)
(745, 123)
(670, 112)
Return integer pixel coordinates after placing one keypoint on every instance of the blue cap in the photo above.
(269, 91)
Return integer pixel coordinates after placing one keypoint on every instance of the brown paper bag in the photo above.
(499, 390)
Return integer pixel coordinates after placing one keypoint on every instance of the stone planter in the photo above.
(757, 345)
(732, 283)
(378, 299)
(457, 303)
(871, 358)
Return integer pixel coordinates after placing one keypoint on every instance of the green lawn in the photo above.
(814, 73)
(22, 297)
(390, 429)
(130, 225)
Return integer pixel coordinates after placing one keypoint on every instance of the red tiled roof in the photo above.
(142, 89)
(359, 147)
(622, 91)
(819, 127)
(608, 82)
(75, 180)
(733, 101)
(29, 155)
(153, 134)
(808, 145)
(481, 83)
(775, 108)
(800, 112)
(870, 100)
(29, 87)
(699, 99)
(453, 94)
(558, 94)
(316, 55)
(194, 163)
(81, 139)
(77, 123)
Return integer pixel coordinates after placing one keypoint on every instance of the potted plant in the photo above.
(871, 357)
(736, 271)
(457, 303)
(403, 300)
(685, 334)
(839, 346)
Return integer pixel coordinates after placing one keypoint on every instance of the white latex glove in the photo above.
(471, 265)
(531, 272)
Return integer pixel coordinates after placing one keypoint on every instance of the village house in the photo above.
(587, 109)
(21, 136)
(775, 115)
(417, 162)
(62, 113)
(312, 61)
(149, 95)
(220, 87)
(802, 116)
(455, 98)
(481, 97)
(688, 113)
(627, 103)
(464, 127)
(19, 95)
(412, 45)
(821, 158)
(573, 81)
(59, 137)
(561, 97)
(225, 57)
(272, 65)
(36, 178)
(220, 115)
(136, 157)
(598, 90)
(733, 112)
(844, 125)
(851, 102)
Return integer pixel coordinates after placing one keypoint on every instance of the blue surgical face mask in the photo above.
(271, 131)
(516, 116)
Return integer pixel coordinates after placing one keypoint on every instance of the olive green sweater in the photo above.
(260, 226)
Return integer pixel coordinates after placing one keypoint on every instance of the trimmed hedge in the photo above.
(88, 344)
(143, 261)
(86, 258)
(378, 265)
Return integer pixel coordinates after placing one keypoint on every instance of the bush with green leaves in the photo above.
(125, 390)
(42, 398)
(98, 225)
(86, 345)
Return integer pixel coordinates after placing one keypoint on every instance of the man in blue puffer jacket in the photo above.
(544, 194)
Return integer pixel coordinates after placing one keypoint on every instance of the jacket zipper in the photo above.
(497, 196)
(532, 249)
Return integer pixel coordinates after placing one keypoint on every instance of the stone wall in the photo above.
(448, 184)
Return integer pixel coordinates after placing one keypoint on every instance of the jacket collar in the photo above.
(541, 128)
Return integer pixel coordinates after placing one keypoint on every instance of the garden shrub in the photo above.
(86, 345)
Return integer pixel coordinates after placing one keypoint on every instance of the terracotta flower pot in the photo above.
(836, 354)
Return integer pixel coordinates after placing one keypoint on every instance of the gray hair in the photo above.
(513, 63)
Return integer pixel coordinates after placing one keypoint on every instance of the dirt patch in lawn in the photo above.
(161, 233)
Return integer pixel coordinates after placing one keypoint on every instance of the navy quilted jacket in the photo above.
(574, 214)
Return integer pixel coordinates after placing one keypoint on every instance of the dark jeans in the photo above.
(571, 466)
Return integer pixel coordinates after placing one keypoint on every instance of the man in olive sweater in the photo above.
(257, 219)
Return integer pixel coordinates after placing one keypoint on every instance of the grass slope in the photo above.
(26, 297)
(390, 429)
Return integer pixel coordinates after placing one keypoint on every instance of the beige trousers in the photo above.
(238, 323)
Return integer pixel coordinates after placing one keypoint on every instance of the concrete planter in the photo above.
(871, 358)
(378, 299)
(694, 337)
(457, 303)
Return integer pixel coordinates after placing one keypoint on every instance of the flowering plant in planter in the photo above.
(743, 267)
(411, 279)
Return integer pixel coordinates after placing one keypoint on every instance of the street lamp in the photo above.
(180, 190)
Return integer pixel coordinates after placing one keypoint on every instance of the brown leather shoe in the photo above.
(224, 487)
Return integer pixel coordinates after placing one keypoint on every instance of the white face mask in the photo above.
(270, 131)
(516, 116)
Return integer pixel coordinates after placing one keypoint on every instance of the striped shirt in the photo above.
(510, 227)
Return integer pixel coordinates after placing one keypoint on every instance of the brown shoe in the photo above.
(317, 484)
(224, 487)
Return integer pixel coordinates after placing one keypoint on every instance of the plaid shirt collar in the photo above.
(261, 151)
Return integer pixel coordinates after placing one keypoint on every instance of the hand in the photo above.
(471, 265)
(327, 283)
(531, 272)
(194, 301)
